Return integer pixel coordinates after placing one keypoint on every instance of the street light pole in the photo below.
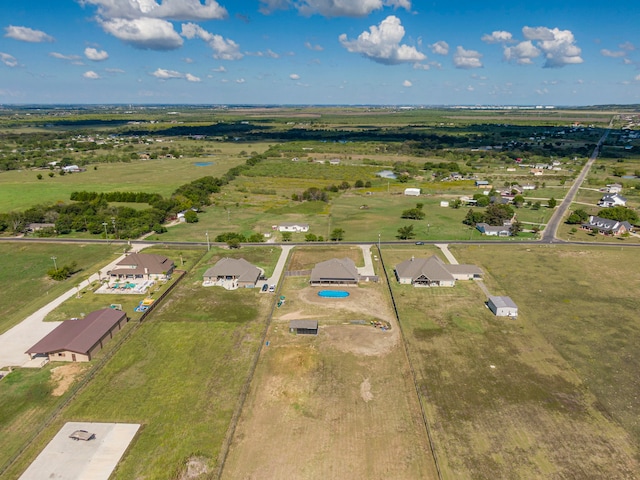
(106, 235)
(378, 241)
(55, 265)
(208, 244)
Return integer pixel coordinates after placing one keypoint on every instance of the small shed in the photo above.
(412, 192)
(303, 327)
(502, 306)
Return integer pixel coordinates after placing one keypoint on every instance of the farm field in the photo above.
(179, 374)
(21, 189)
(339, 405)
(532, 397)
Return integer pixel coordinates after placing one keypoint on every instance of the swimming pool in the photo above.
(333, 293)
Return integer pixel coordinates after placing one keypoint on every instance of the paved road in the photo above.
(549, 233)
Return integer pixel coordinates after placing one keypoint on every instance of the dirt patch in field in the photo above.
(195, 468)
(64, 376)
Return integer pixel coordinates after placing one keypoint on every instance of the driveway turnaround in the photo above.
(67, 459)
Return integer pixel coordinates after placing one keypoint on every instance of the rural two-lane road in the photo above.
(549, 233)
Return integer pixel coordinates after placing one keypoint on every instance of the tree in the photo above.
(39, 176)
(413, 214)
(337, 234)
(536, 206)
(473, 217)
(518, 200)
(406, 232)
(552, 203)
(577, 217)
(496, 214)
(358, 184)
(457, 203)
(256, 238)
(516, 228)
(619, 213)
(310, 237)
(286, 236)
(190, 216)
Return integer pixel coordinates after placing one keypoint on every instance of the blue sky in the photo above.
(391, 52)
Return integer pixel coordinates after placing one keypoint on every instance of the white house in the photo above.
(293, 227)
(612, 200)
(502, 306)
(71, 169)
(493, 231)
(412, 192)
(614, 188)
(444, 203)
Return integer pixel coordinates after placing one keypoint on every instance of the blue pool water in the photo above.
(203, 164)
(333, 293)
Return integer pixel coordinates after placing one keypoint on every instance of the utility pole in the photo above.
(106, 235)
(208, 244)
(55, 265)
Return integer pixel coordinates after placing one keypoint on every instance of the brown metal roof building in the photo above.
(337, 271)
(303, 327)
(433, 272)
(143, 265)
(78, 340)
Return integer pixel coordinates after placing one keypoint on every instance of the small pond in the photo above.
(386, 174)
(203, 164)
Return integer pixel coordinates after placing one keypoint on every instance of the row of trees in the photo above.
(618, 213)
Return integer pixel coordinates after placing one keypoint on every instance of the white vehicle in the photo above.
(272, 288)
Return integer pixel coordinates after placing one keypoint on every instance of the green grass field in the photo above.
(26, 286)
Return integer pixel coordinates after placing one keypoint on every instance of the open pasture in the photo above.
(179, 375)
(509, 398)
(25, 285)
(337, 405)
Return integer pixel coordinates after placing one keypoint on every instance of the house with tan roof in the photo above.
(232, 273)
(79, 340)
(337, 271)
(433, 272)
(143, 266)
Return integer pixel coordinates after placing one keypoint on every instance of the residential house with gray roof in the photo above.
(232, 273)
(337, 271)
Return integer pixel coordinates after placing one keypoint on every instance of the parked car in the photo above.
(265, 287)
(419, 243)
(272, 288)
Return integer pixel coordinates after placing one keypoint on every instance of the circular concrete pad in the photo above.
(67, 459)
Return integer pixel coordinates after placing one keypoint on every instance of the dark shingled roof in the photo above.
(79, 336)
(142, 263)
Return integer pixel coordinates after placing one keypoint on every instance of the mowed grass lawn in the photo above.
(179, 375)
(512, 398)
(24, 282)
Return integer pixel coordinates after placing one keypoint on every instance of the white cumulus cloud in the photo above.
(144, 33)
(407, 84)
(315, 48)
(382, 43)
(167, 9)
(522, 54)
(440, 48)
(333, 8)
(61, 56)
(467, 59)
(191, 78)
(165, 74)
(8, 60)
(294, 76)
(26, 34)
(220, 69)
(498, 36)
(91, 75)
(605, 52)
(558, 46)
(240, 80)
(95, 55)
(224, 49)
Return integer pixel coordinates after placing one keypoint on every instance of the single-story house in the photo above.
(614, 188)
(415, 192)
(493, 231)
(71, 169)
(612, 200)
(606, 226)
(528, 186)
(337, 271)
(303, 327)
(143, 266)
(36, 227)
(232, 273)
(536, 172)
(334, 161)
(444, 203)
(433, 272)
(502, 306)
(293, 227)
(79, 340)
(482, 183)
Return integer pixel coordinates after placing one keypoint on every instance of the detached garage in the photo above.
(303, 327)
(502, 306)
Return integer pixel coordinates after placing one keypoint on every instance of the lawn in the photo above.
(26, 287)
(179, 374)
(533, 397)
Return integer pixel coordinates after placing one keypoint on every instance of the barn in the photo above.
(303, 327)
(502, 306)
